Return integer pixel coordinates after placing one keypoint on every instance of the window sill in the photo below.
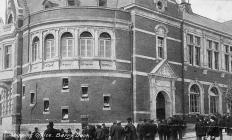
(84, 98)
(106, 108)
(64, 121)
(31, 105)
(23, 97)
(36, 62)
(45, 113)
(65, 90)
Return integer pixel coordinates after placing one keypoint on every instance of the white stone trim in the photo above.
(123, 61)
(97, 74)
(142, 112)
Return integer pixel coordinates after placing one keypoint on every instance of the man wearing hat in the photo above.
(130, 130)
(50, 133)
(118, 132)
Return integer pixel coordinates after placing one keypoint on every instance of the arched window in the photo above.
(35, 49)
(105, 49)
(67, 44)
(86, 44)
(214, 99)
(194, 98)
(161, 49)
(50, 50)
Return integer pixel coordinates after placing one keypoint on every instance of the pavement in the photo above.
(192, 136)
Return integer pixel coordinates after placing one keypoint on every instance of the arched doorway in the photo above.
(160, 106)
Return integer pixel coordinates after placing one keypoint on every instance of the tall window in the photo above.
(226, 57)
(214, 99)
(67, 45)
(86, 44)
(102, 3)
(213, 54)
(160, 47)
(8, 56)
(106, 102)
(194, 49)
(65, 113)
(50, 50)
(194, 99)
(46, 105)
(6, 102)
(105, 49)
(35, 49)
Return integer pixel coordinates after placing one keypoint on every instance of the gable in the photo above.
(163, 69)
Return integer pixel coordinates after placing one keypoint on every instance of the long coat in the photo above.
(130, 132)
(117, 133)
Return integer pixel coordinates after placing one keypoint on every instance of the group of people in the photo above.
(170, 129)
(213, 126)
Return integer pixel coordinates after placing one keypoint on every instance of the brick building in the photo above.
(79, 61)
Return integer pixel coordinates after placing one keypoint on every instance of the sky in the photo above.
(219, 10)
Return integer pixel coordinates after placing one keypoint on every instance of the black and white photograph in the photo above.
(115, 70)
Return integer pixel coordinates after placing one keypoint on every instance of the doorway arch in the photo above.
(163, 106)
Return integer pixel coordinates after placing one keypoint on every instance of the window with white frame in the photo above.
(194, 99)
(214, 99)
(106, 101)
(67, 45)
(194, 49)
(226, 51)
(65, 113)
(50, 50)
(35, 49)
(84, 91)
(65, 83)
(213, 54)
(8, 56)
(6, 102)
(161, 50)
(105, 50)
(86, 44)
(46, 106)
(161, 47)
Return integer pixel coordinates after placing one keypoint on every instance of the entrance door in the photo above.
(160, 106)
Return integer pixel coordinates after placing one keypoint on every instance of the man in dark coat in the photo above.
(112, 131)
(130, 130)
(50, 133)
(117, 132)
(146, 130)
(68, 135)
(77, 135)
(153, 129)
(105, 131)
(140, 130)
(200, 129)
(36, 135)
(99, 134)
(161, 130)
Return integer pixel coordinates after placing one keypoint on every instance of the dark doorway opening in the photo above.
(160, 106)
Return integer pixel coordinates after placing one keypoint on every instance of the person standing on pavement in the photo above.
(105, 131)
(68, 135)
(153, 129)
(77, 135)
(50, 133)
(99, 134)
(140, 130)
(130, 130)
(161, 129)
(36, 134)
(118, 132)
(112, 131)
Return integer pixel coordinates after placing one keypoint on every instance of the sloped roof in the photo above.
(228, 23)
(206, 22)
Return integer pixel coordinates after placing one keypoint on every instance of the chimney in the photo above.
(186, 6)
